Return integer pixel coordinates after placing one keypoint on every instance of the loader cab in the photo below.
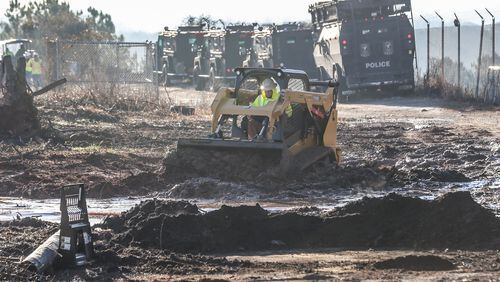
(250, 79)
(13, 45)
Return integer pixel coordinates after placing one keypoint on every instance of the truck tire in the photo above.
(198, 82)
(212, 81)
(166, 79)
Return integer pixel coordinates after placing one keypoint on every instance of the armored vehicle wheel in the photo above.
(166, 79)
(213, 84)
(198, 82)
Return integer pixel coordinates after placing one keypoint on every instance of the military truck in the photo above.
(285, 46)
(176, 50)
(373, 40)
(293, 48)
(224, 50)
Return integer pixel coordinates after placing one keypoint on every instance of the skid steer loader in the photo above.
(298, 129)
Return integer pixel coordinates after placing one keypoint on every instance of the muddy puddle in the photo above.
(485, 192)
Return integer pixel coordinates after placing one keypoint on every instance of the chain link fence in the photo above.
(121, 69)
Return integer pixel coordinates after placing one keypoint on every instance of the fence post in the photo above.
(428, 51)
(457, 24)
(442, 47)
(480, 55)
(57, 59)
(493, 52)
(118, 74)
(151, 51)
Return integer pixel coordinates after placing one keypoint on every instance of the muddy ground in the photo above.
(411, 143)
(422, 147)
(363, 240)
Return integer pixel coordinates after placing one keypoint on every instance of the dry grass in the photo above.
(448, 88)
(110, 98)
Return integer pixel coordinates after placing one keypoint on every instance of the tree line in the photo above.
(54, 19)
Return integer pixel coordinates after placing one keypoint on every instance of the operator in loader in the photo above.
(269, 93)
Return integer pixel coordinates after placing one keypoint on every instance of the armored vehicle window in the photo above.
(217, 44)
(290, 41)
(296, 84)
(331, 13)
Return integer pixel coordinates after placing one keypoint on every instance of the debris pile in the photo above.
(453, 221)
(18, 115)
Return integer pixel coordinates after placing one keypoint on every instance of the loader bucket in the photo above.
(231, 160)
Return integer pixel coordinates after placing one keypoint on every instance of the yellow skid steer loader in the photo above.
(297, 129)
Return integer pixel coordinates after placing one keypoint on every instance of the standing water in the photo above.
(484, 192)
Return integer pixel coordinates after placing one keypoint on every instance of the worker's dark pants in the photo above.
(37, 81)
(254, 126)
(28, 78)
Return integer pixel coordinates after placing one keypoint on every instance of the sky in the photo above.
(153, 15)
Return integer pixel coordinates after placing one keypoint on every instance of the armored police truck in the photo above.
(293, 48)
(285, 46)
(373, 40)
(176, 50)
(262, 55)
(225, 50)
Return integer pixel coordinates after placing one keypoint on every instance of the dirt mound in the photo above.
(416, 263)
(138, 184)
(27, 222)
(454, 221)
(148, 211)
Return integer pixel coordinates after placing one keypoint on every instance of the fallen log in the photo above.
(50, 87)
(45, 255)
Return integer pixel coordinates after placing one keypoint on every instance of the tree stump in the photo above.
(18, 114)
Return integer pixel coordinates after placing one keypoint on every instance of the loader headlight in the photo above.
(280, 74)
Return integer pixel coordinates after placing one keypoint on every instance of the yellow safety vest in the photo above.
(36, 67)
(28, 67)
(262, 101)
